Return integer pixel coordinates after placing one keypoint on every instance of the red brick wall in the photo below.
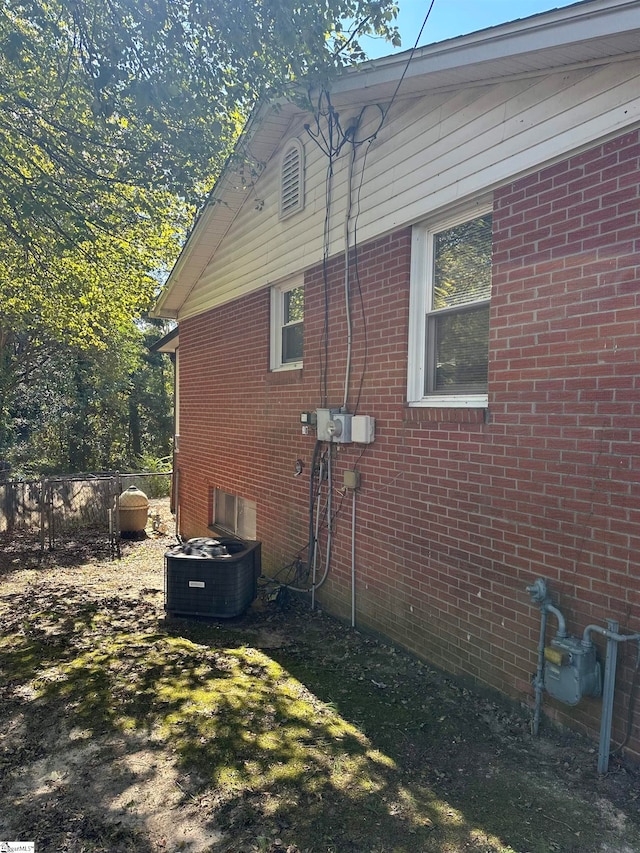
(564, 388)
(458, 511)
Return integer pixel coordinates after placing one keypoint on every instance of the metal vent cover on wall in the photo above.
(292, 179)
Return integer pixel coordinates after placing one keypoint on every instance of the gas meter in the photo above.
(571, 670)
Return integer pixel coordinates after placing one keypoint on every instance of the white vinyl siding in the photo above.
(432, 153)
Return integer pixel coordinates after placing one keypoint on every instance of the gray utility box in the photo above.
(571, 670)
(214, 578)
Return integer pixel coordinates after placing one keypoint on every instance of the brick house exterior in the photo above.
(459, 508)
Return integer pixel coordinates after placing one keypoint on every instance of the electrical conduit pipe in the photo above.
(353, 559)
(608, 687)
(314, 504)
(540, 596)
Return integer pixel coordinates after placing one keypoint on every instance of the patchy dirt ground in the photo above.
(121, 730)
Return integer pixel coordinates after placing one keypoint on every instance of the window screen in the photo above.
(292, 330)
(457, 332)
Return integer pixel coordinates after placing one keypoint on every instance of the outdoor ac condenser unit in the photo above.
(214, 578)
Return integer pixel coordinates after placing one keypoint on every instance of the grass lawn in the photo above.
(121, 730)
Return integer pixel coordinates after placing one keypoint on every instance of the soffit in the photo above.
(169, 343)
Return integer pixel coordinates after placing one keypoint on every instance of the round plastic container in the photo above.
(133, 505)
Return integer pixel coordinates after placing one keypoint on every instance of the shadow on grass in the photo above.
(21, 549)
(318, 742)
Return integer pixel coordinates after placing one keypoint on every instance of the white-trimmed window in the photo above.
(292, 179)
(287, 325)
(449, 313)
(235, 514)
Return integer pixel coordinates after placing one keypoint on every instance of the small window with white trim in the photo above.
(449, 314)
(292, 179)
(287, 325)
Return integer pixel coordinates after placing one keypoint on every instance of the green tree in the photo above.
(90, 409)
(115, 117)
(151, 400)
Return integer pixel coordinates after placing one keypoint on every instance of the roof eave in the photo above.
(225, 200)
(482, 56)
(595, 30)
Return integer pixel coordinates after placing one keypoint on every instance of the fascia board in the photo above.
(484, 55)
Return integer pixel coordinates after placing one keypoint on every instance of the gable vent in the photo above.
(292, 179)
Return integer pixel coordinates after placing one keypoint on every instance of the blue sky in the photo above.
(451, 18)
